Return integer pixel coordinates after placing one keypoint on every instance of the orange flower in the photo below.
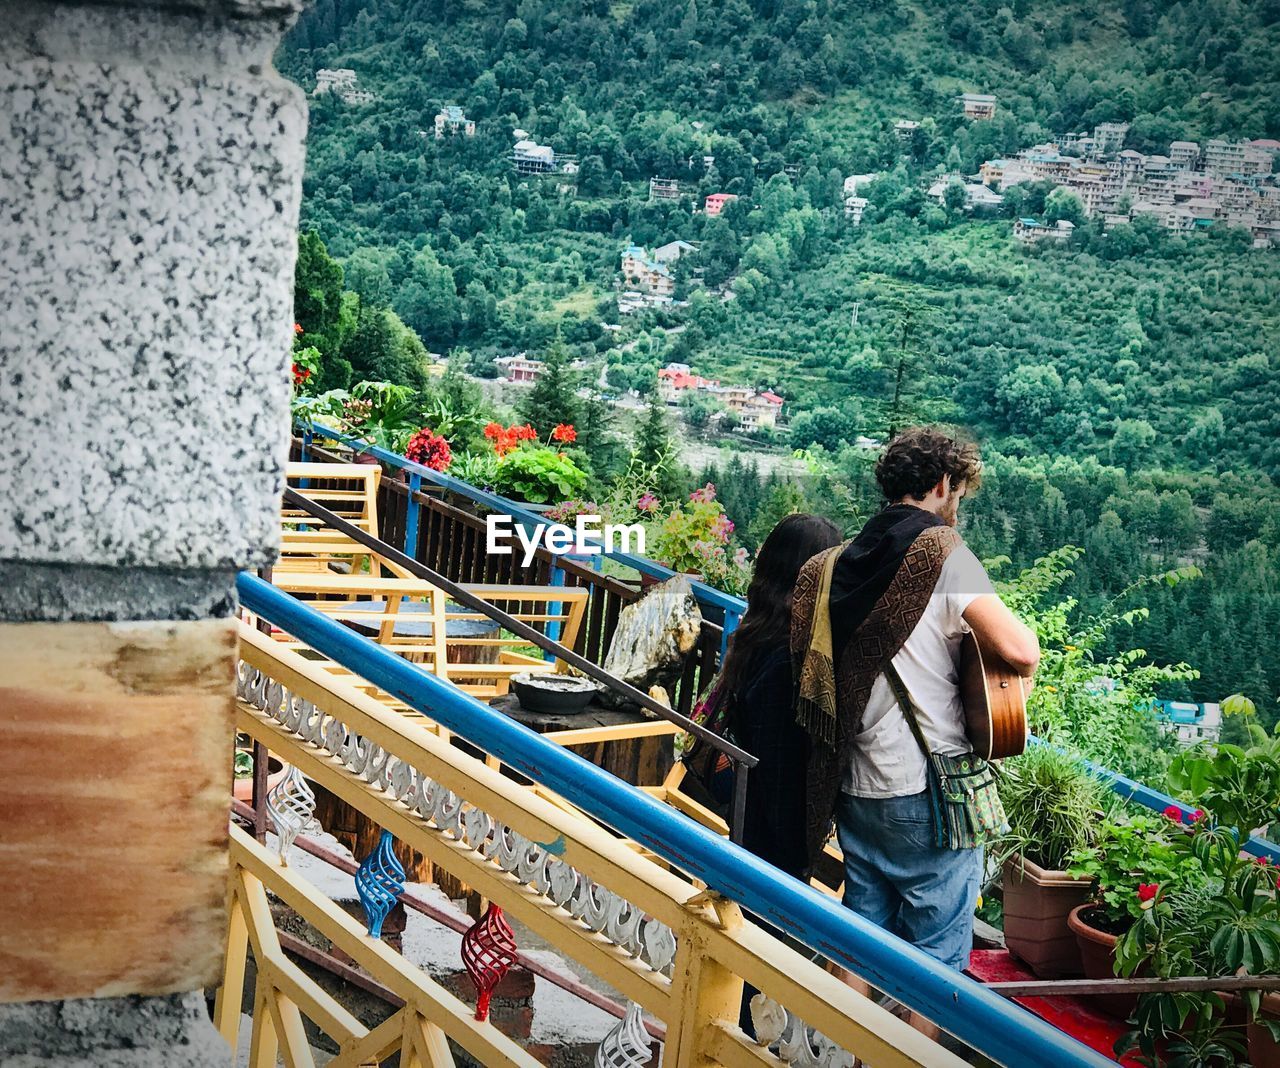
(297, 328)
(564, 432)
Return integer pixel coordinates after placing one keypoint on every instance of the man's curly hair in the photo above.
(915, 461)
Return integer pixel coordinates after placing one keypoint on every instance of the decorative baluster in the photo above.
(291, 804)
(379, 882)
(628, 1045)
(488, 951)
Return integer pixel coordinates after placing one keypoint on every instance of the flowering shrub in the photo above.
(538, 474)
(428, 448)
(691, 533)
(694, 537)
(306, 361)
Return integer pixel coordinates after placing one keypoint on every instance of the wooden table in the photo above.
(642, 757)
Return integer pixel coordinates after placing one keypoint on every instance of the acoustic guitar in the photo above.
(995, 702)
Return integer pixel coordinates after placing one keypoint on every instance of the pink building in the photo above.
(716, 202)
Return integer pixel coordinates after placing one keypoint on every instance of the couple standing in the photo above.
(836, 640)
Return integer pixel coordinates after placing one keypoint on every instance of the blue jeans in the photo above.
(896, 877)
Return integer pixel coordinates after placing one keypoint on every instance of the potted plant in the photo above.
(1051, 801)
(382, 414)
(530, 471)
(242, 784)
(1130, 860)
(694, 535)
(1227, 922)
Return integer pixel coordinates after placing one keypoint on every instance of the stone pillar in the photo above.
(150, 174)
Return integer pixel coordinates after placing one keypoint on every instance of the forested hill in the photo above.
(1161, 357)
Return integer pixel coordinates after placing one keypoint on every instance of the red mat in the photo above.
(1071, 1015)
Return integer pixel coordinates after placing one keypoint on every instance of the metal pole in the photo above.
(518, 627)
(411, 515)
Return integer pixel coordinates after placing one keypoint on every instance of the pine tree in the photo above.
(553, 398)
(656, 450)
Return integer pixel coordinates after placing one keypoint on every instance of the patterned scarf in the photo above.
(854, 606)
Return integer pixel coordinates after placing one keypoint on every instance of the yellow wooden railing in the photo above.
(658, 939)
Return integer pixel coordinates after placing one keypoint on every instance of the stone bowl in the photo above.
(553, 695)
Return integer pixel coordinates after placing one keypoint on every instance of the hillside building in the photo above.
(1190, 722)
(1032, 232)
(664, 189)
(529, 157)
(342, 83)
(648, 278)
(520, 368)
(854, 207)
(715, 203)
(905, 129)
(672, 251)
(978, 105)
(450, 119)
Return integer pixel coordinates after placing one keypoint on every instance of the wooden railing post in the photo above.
(705, 994)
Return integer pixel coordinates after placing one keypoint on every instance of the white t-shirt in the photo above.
(885, 759)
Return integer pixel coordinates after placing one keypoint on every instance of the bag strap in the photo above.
(908, 707)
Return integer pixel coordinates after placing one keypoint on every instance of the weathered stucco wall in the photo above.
(150, 173)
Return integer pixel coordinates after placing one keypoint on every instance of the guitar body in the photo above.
(995, 703)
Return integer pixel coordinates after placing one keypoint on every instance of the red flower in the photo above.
(1147, 892)
(1262, 862)
(1174, 813)
(297, 328)
(429, 449)
(525, 433)
(300, 374)
(492, 430)
(1196, 816)
(564, 432)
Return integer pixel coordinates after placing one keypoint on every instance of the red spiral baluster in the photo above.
(488, 951)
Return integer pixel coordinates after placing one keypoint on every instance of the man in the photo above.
(904, 591)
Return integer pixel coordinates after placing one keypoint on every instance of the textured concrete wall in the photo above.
(150, 174)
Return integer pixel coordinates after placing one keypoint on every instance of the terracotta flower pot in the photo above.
(1098, 958)
(242, 789)
(1264, 1051)
(1037, 902)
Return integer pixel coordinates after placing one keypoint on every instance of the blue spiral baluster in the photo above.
(379, 882)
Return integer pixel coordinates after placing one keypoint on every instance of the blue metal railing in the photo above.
(998, 1028)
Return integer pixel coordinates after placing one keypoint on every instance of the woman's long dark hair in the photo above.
(767, 622)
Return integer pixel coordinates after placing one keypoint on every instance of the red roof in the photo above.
(1265, 142)
(681, 380)
(771, 397)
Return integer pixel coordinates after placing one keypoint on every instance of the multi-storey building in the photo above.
(450, 119)
(1184, 155)
(664, 189)
(978, 105)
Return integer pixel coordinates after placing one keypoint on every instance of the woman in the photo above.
(755, 683)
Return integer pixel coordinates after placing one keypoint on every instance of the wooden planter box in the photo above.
(1037, 903)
